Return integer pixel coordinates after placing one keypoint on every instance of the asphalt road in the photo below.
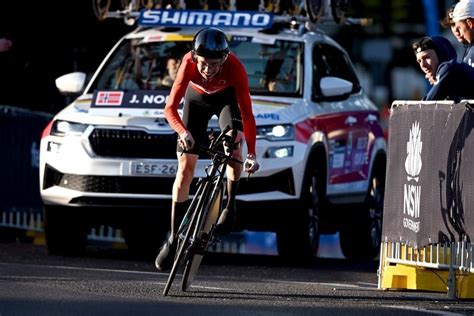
(108, 282)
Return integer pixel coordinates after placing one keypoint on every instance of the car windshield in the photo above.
(272, 69)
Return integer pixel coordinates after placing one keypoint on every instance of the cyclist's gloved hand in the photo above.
(186, 140)
(251, 164)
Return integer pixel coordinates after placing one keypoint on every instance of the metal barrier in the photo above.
(433, 256)
(20, 202)
(446, 267)
(428, 212)
(103, 233)
(26, 219)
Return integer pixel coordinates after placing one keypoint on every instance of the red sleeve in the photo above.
(177, 93)
(245, 104)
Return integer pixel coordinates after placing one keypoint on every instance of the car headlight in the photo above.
(65, 128)
(278, 152)
(276, 132)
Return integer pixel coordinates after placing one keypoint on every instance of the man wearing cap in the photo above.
(451, 80)
(463, 18)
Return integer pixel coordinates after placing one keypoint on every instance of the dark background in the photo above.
(51, 38)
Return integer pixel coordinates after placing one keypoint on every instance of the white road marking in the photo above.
(423, 310)
(106, 270)
(368, 286)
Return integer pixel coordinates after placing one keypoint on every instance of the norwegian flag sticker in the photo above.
(110, 98)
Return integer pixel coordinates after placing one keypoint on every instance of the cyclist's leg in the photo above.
(226, 117)
(187, 161)
(164, 259)
(229, 115)
(184, 175)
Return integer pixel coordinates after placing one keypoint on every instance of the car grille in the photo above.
(132, 144)
(281, 181)
(108, 184)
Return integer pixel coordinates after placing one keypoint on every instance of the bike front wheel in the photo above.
(194, 258)
(186, 232)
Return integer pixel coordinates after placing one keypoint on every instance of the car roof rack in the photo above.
(309, 13)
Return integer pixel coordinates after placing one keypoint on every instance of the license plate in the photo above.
(149, 169)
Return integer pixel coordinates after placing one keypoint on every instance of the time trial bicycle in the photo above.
(102, 8)
(196, 231)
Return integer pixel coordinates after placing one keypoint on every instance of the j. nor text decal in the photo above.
(129, 103)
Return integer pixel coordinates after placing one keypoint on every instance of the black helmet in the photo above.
(210, 43)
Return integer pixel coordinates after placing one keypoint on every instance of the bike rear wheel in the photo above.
(338, 10)
(132, 5)
(315, 9)
(194, 258)
(101, 8)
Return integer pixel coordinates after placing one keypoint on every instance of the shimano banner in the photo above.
(216, 18)
(430, 174)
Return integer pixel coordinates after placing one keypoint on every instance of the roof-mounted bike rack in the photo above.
(310, 13)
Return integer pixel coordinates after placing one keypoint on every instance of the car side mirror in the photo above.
(71, 83)
(335, 87)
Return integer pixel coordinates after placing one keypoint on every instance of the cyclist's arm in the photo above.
(245, 104)
(177, 93)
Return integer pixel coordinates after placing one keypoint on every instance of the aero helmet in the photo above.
(210, 43)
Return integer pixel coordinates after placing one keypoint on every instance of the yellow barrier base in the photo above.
(401, 276)
(465, 285)
(38, 237)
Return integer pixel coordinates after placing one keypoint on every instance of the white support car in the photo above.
(109, 157)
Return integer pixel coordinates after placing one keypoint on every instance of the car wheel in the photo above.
(65, 231)
(8, 234)
(361, 238)
(299, 238)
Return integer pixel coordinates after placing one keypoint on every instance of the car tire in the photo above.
(299, 238)
(8, 234)
(65, 231)
(360, 238)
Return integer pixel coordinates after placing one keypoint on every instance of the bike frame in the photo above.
(196, 229)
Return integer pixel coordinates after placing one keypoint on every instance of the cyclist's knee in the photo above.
(184, 177)
(238, 140)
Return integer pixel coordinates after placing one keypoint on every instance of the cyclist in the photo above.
(212, 80)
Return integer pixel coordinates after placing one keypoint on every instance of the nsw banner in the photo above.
(430, 174)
